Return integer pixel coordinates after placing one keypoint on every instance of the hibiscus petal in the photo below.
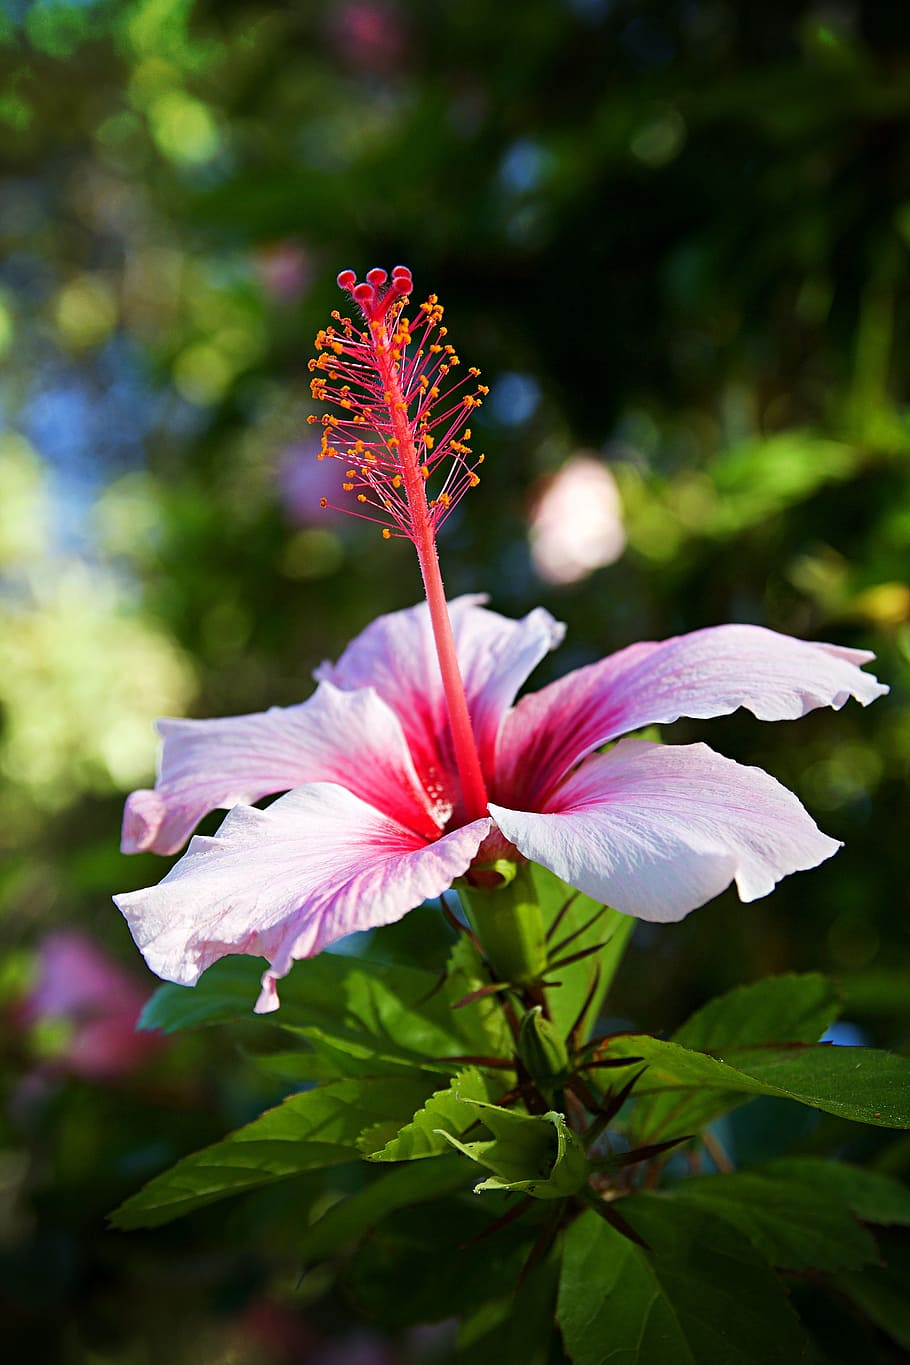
(396, 655)
(284, 883)
(706, 673)
(352, 738)
(656, 830)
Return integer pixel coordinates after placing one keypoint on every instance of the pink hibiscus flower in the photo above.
(411, 764)
(80, 985)
(373, 822)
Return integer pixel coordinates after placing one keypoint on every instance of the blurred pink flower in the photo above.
(375, 821)
(369, 35)
(79, 985)
(284, 269)
(576, 522)
(305, 484)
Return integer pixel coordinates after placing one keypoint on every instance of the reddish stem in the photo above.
(473, 787)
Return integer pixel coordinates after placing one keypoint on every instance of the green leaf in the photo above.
(704, 1296)
(298, 1066)
(856, 1083)
(577, 979)
(779, 1009)
(519, 1327)
(317, 1128)
(421, 1264)
(224, 993)
(481, 1023)
(447, 1111)
(346, 1052)
(794, 1225)
(881, 1291)
(348, 1220)
(353, 1001)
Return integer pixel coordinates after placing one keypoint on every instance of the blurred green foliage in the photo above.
(673, 234)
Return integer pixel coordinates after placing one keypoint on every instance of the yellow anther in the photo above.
(323, 502)
(348, 487)
(386, 533)
(396, 482)
(425, 471)
(362, 497)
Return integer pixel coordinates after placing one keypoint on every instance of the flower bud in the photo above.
(543, 1052)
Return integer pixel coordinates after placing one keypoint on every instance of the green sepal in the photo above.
(534, 1154)
(509, 925)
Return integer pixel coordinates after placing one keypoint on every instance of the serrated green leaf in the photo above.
(317, 1128)
(348, 1220)
(856, 1083)
(577, 979)
(794, 1008)
(872, 1196)
(794, 1225)
(702, 1296)
(446, 1111)
(778, 1009)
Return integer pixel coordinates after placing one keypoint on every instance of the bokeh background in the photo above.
(675, 236)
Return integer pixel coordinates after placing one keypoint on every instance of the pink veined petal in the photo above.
(352, 738)
(286, 882)
(657, 830)
(396, 655)
(706, 673)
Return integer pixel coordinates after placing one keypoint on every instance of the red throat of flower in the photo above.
(399, 425)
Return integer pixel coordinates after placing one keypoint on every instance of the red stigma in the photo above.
(375, 296)
(399, 406)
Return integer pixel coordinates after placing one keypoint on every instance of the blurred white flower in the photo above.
(576, 522)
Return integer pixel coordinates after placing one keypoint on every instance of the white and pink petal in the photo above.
(657, 830)
(706, 673)
(352, 738)
(286, 882)
(396, 655)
